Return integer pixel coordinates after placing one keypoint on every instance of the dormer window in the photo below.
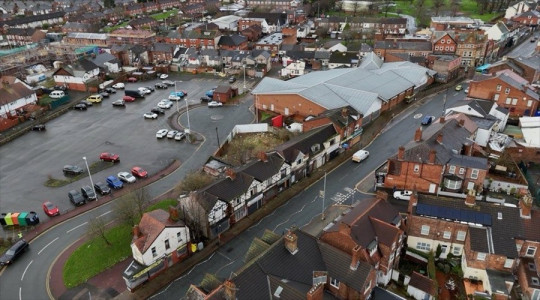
(372, 247)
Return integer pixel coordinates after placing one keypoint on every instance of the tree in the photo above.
(454, 7)
(437, 5)
(97, 229)
(194, 216)
(130, 208)
(194, 180)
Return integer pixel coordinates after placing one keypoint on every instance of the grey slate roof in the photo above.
(302, 143)
(498, 279)
(263, 170)
(468, 161)
(484, 123)
(478, 238)
(412, 46)
(232, 40)
(343, 57)
(102, 58)
(228, 189)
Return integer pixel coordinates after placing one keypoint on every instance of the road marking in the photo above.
(20, 290)
(298, 211)
(105, 213)
(76, 227)
(46, 246)
(22, 277)
(223, 255)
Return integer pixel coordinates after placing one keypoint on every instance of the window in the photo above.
(416, 168)
(532, 267)
(461, 235)
(514, 101)
(368, 286)
(498, 87)
(461, 171)
(446, 48)
(451, 48)
(452, 169)
(447, 234)
(508, 263)
(423, 246)
(425, 230)
(508, 100)
(443, 41)
(334, 282)
(457, 250)
(496, 97)
(529, 103)
(531, 250)
(444, 248)
(481, 256)
(535, 280)
(507, 91)
(179, 237)
(474, 173)
(167, 246)
(154, 252)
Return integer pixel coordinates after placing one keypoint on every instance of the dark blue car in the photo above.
(114, 182)
(427, 120)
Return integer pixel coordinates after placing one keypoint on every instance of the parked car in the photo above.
(102, 188)
(158, 110)
(107, 156)
(104, 94)
(132, 79)
(144, 90)
(128, 99)
(168, 82)
(206, 99)
(119, 85)
(76, 198)
(150, 115)
(134, 93)
(165, 103)
(179, 136)
(95, 98)
(459, 87)
(209, 94)
(403, 195)
(57, 94)
(87, 103)
(161, 133)
(466, 90)
(427, 120)
(151, 89)
(80, 106)
(110, 90)
(13, 252)
(161, 85)
(214, 104)
(119, 102)
(39, 127)
(174, 97)
(171, 134)
(139, 172)
(232, 79)
(360, 155)
(126, 177)
(60, 88)
(72, 170)
(163, 76)
(88, 193)
(50, 209)
(114, 182)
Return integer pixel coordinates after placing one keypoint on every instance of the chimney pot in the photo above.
(461, 122)
(418, 135)
(442, 119)
(439, 138)
(401, 152)
(291, 242)
(432, 156)
(525, 206)
(316, 292)
(136, 231)
(173, 214)
(355, 257)
(230, 173)
(262, 156)
(413, 201)
(230, 290)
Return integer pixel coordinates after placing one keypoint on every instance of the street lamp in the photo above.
(244, 77)
(90, 175)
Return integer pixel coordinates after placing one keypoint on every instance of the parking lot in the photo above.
(26, 162)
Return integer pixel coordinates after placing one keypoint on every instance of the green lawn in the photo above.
(468, 8)
(95, 256)
(163, 204)
(163, 15)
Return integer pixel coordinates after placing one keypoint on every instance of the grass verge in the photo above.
(95, 256)
(94, 168)
(163, 204)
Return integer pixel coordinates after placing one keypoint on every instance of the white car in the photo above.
(150, 115)
(179, 136)
(163, 76)
(403, 195)
(126, 177)
(360, 155)
(166, 104)
(172, 134)
(119, 85)
(161, 133)
(144, 90)
(174, 97)
(214, 104)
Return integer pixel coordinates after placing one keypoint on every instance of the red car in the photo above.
(139, 172)
(128, 98)
(106, 156)
(132, 79)
(50, 209)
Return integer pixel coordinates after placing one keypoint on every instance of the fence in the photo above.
(59, 102)
(531, 171)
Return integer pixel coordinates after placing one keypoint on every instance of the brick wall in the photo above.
(296, 105)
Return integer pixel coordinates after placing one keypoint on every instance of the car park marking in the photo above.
(20, 291)
(76, 227)
(22, 277)
(47, 246)
(105, 213)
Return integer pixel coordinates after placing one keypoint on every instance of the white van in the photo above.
(57, 94)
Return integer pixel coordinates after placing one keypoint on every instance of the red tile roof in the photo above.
(151, 225)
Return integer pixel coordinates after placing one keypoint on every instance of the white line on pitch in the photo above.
(76, 227)
(22, 277)
(46, 246)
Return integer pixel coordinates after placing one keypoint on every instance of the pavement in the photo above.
(110, 284)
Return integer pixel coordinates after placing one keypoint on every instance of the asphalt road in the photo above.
(26, 278)
(524, 49)
(26, 163)
(301, 209)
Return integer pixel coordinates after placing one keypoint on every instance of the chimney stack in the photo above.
(355, 257)
(418, 135)
(230, 290)
(432, 156)
(262, 156)
(439, 138)
(413, 201)
(136, 231)
(470, 200)
(467, 149)
(173, 214)
(461, 122)
(401, 153)
(525, 206)
(344, 228)
(441, 120)
(316, 292)
(344, 112)
(291, 242)
(230, 173)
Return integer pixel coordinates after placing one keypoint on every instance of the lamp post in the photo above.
(244, 77)
(217, 135)
(90, 175)
(323, 195)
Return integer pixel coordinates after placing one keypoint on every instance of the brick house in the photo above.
(252, 33)
(439, 157)
(372, 231)
(245, 23)
(134, 37)
(86, 39)
(24, 36)
(134, 9)
(233, 42)
(161, 52)
(471, 46)
(143, 23)
(15, 96)
(274, 20)
(346, 121)
(526, 67)
(446, 66)
(418, 48)
(508, 90)
(444, 43)
(271, 43)
(421, 287)
(527, 246)
(224, 93)
(200, 39)
(529, 18)
(294, 266)
(76, 76)
(79, 27)
(444, 23)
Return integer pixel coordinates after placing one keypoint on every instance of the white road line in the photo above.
(46, 246)
(223, 255)
(105, 213)
(76, 227)
(20, 290)
(22, 277)
(290, 216)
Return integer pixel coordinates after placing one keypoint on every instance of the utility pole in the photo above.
(217, 135)
(444, 102)
(323, 195)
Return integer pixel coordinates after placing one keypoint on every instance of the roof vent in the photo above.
(278, 291)
(499, 216)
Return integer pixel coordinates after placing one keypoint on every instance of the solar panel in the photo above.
(457, 214)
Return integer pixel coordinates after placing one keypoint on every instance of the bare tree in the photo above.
(97, 228)
(454, 7)
(437, 5)
(194, 216)
(193, 181)
(130, 208)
